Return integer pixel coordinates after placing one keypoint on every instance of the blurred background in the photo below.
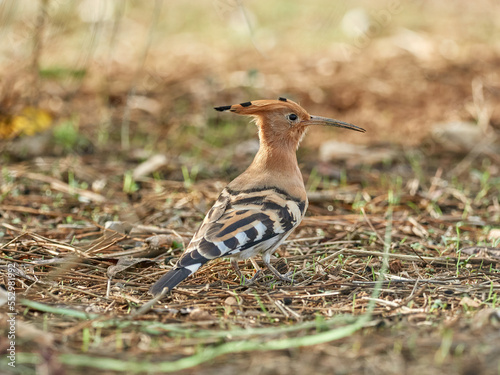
(107, 121)
(104, 80)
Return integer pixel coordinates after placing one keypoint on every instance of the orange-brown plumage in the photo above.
(259, 209)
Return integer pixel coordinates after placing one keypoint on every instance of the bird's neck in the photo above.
(277, 158)
(273, 167)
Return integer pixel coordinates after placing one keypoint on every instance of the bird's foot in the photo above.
(283, 277)
(250, 282)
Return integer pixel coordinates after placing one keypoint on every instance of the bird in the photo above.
(260, 208)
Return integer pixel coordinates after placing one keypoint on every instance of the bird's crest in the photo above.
(259, 106)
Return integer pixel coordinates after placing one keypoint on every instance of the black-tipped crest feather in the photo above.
(223, 108)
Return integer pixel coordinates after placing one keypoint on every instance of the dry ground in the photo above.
(396, 263)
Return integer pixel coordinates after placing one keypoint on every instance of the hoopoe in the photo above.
(259, 209)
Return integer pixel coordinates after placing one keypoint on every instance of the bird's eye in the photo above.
(292, 117)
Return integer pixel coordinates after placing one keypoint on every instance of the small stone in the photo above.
(198, 314)
(231, 301)
(494, 234)
(457, 136)
(467, 301)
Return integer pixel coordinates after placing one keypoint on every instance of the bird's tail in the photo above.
(188, 264)
(170, 280)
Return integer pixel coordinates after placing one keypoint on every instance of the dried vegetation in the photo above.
(396, 266)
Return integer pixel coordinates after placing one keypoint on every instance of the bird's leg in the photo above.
(257, 272)
(244, 280)
(267, 261)
(255, 265)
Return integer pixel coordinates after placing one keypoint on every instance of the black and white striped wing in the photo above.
(241, 220)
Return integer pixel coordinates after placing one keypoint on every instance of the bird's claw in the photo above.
(282, 277)
(252, 281)
(285, 277)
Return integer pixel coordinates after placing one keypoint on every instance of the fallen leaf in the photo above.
(29, 122)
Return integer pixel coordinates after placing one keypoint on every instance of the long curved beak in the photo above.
(318, 120)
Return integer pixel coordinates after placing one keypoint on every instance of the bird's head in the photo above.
(282, 122)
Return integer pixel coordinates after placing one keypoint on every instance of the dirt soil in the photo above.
(98, 204)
